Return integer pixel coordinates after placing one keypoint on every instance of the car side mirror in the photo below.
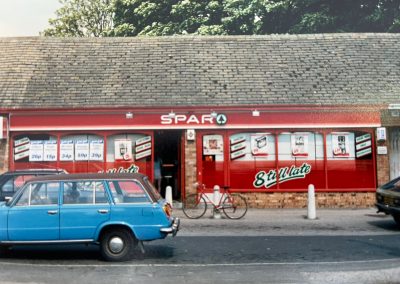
(8, 198)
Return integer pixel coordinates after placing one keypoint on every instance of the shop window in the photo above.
(82, 153)
(301, 160)
(250, 153)
(129, 152)
(40, 149)
(213, 160)
(349, 160)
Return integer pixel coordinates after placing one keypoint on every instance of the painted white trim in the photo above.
(184, 127)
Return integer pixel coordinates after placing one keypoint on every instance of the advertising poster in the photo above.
(21, 148)
(50, 151)
(36, 151)
(259, 144)
(67, 150)
(340, 144)
(213, 145)
(123, 150)
(96, 150)
(81, 150)
(299, 144)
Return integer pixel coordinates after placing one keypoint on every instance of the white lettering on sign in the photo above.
(132, 169)
(269, 179)
(187, 119)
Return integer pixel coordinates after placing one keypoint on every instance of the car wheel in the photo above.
(4, 249)
(396, 218)
(117, 245)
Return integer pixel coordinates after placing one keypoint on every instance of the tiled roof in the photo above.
(322, 69)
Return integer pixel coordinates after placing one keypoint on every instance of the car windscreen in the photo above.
(390, 184)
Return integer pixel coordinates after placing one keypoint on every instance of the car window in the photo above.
(127, 191)
(152, 190)
(15, 183)
(39, 194)
(88, 192)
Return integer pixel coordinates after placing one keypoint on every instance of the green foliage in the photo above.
(223, 17)
(82, 18)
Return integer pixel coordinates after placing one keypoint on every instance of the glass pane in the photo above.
(44, 193)
(78, 193)
(24, 198)
(128, 192)
(100, 193)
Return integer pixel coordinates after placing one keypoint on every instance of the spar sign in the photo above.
(264, 179)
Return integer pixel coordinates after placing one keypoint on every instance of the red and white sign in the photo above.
(299, 144)
(123, 150)
(340, 144)
(259, 144)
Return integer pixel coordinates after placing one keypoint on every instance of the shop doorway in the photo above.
(167, 161)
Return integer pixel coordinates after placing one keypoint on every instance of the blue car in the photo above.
(116, 211)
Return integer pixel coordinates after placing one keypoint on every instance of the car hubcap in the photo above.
(116, 244)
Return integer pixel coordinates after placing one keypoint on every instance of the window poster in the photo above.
(259, 144)
(81, 150)
(96, 150)
(213, 145)
(67, 150)
(340, 144)
(21, 148)
(299, 144)
(123, 149)
(239, 146)
(143, 147)
(36, 151)
(50, 150)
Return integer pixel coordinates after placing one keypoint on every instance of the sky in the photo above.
(26, 17)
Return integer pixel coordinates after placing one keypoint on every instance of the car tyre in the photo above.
(4, 249)
(117, 245)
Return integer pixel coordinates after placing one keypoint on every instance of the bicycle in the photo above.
(233, 205)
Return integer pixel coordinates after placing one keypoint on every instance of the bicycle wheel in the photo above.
(194, 206)
(234, 206)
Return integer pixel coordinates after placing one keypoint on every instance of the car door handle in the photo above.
(102, 211)
(52, 212)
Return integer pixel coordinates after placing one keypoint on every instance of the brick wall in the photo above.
(382, 166)
(299, 199)
(3, 155)
(190, 166)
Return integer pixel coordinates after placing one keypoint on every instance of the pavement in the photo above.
(291, 222)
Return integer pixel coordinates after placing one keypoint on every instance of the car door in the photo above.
(34, 216)
(84, 208)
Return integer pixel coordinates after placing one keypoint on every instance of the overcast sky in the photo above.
(26, 17)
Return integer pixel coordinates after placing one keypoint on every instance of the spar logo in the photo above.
(269, 179)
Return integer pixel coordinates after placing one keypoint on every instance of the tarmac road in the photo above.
(267, 246)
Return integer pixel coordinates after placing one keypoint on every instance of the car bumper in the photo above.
(173, 229)
(387, 208)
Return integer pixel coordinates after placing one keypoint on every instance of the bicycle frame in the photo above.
(210, 200)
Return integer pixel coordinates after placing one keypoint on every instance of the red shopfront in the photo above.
(274, 149)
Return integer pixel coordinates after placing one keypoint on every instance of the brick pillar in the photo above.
(190, 166)
(382, 165)
(3, 155)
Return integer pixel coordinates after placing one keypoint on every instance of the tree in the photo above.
(223, 17)
(82, 18)
(169, 17)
